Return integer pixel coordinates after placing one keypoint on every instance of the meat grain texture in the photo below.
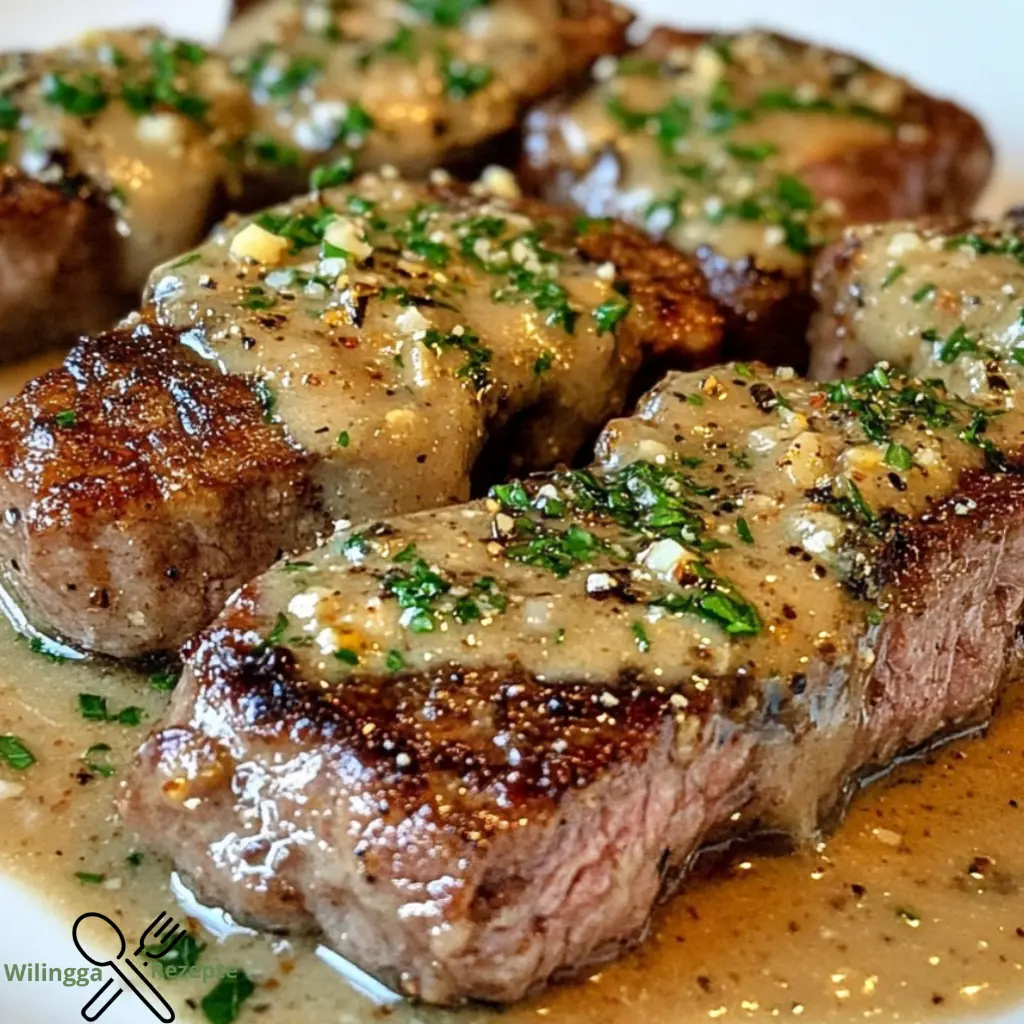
(471, 747)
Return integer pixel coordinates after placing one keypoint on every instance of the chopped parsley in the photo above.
(82, 95)
(94, 708)
(899, 456)
(610, 314)
(15, 754)
(299, 72)
(446, 13)
(10, 115)
(427, 596)
(302, 230)
(182, 956)
(646, 502)
(164, 681)
(743, 531)
(461, 78)
(344, 440)
(393, 661)
(90, 878)
(223, 1003)
(893, 276)
(95, 759)
(478, 356)
(331, 175)
(66, 418)
(275, 636)
(266, 150)
(643, 642)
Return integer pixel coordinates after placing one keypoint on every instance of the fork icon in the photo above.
(130, 977)
(168, 933)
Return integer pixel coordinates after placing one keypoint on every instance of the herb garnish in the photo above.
(82, 96)
(95, 759)
(428, 596)
(647, 502)
(223, 1003)
(180, 958)
(446, 13)
(15, 754)
(93, 708)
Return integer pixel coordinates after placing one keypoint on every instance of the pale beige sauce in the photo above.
(400, 401)
(142, 164)
(719, 179)
(789, 937)
(912, 288)
(391, 61)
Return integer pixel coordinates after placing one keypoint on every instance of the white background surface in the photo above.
(969, 51)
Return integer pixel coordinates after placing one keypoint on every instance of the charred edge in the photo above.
(408, 728)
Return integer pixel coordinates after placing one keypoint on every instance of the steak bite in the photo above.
(472, 746)
(99, 142)
(751, 151)
(942, 298)
(415, 84)
(347, 355)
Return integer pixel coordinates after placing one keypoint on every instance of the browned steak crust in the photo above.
(142, 487)
(469, 803)
(911, 155)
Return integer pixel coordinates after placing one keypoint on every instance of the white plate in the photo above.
(967, 51)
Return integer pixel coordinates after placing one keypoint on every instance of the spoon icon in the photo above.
(130, 976)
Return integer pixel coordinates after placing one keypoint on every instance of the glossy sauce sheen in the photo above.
(140, 118)
(400, 81)
(394, 324)
(913, 908)
(713, 137)
(943, 300)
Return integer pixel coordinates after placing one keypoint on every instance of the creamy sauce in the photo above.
(911, 910)
(390, 326)
(716, 142)
(143, 119)
(943, 302)
(406, 82)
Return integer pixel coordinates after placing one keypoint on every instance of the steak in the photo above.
(941, 298)
(120, 150)
(751, 151)
(409, 84)
(357, 353)
(470, 747)
(99, 143)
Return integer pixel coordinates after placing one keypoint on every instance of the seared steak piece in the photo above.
(942, 298)
(111, 160)
(416, 84)
(471, 746)
(121, 150)
(751, 151)
(348, 355)
(141, 485)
